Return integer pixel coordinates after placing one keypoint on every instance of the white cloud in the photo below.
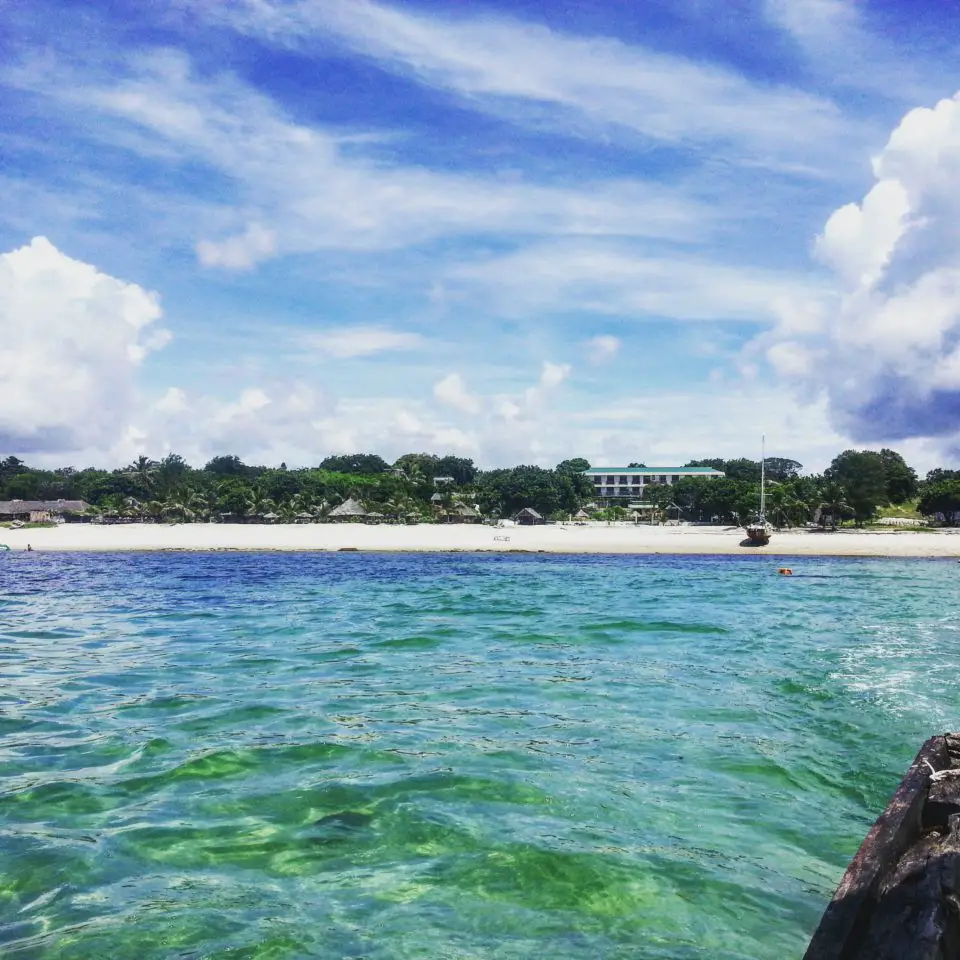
(540, 76)
(296, 188)
(859, 239)
(814, 23)
(624, 279)
(849, 45)
(885, 347)
(453, 391)
(554, 374)
(73, 339)
(349, 342)
(240, 252)
(602, 348)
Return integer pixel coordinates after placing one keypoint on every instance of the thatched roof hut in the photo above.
(528, 516)
(461, 513)
(41, 509)
(581, 514)
(350, 509)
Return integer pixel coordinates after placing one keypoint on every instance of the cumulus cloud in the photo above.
(602, 348)
(348, 342)
(886, 348)
(73, 340)
(453, 391)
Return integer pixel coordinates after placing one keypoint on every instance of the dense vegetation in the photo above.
(856, 485)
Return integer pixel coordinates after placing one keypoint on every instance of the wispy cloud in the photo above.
(306, 193)
(542, 77)
(619, 279)
(602, 348)
(841, 44)
(350, 342)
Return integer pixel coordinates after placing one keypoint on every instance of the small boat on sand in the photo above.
(759, 533)
(900, 896)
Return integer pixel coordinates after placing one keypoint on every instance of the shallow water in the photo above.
(375, 756)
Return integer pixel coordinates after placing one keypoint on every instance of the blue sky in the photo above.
(518, 232)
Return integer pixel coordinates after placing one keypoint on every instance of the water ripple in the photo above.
(237, 756)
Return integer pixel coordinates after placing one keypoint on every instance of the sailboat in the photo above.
(759, 532)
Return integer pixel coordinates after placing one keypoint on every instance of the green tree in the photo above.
(901, 480)
(461, 469)
(171, 472)
(834, 504)
(143, 473)
(780, 469)
(942, 497)
(227, 466)
(364, 464)
(783, 508)
(576, 466)
(418, 466)
(935, 476)
(862, 475)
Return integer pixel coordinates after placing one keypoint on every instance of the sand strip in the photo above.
(592, 538)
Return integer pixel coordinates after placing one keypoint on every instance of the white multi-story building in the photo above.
(628, 482)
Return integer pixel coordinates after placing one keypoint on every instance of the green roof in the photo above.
(612, 470)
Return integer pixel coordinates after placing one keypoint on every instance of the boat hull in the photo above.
(896, 899)
(759, 535)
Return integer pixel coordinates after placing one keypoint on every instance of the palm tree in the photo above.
(132, 507)
(258, 505)
(782, 506)
(174, 508)
(833, 503)
(143, 470)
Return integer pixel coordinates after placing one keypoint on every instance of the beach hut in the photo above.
(581, 516)
(528, 517)
(461, 513)
(349, 510)
(38, 511)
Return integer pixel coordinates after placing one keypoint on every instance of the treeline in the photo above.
(424, 486)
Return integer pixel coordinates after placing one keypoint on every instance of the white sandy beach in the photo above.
(592, 538)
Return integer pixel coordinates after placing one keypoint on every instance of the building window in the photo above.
(623, 479)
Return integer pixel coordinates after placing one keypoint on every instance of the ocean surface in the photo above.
(451, 756)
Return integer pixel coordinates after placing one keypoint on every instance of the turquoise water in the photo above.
(374, 756)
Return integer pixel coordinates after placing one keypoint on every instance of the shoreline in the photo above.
(569, 539)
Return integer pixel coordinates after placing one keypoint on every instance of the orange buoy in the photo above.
(785, 572)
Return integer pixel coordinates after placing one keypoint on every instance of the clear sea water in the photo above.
(451, 756)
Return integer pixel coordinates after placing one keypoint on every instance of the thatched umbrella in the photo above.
(270, 517)
(348, 510)
(528, 516)
(581, 515)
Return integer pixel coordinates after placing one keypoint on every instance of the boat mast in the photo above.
(763, 478)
